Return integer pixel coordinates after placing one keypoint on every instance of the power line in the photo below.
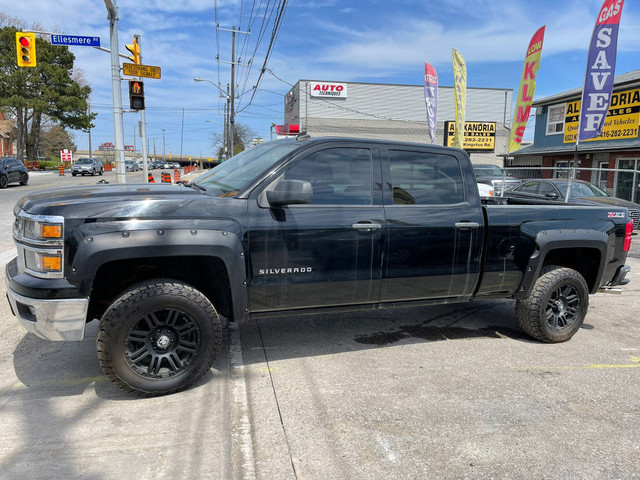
(274, 34)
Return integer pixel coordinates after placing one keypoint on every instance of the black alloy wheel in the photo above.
(4, 181)
(24, 178)
(159, 337)
(562, 307)
(162, 343)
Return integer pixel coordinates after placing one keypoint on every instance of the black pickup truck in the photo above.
(293, 226)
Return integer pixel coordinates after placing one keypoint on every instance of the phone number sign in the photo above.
(478, 136)
(622, 119)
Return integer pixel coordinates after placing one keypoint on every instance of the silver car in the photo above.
(87, 166)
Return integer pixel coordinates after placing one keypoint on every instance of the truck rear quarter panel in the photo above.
(523, 238)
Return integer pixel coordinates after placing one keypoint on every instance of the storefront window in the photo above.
(555, 119)
(627, 183)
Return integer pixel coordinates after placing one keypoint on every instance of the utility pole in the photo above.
(164, 154)
(226, 126)
(232, 118)
(118, 126)
(232, 115)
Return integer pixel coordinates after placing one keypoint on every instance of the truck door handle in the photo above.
(366, 226)
(465, 225)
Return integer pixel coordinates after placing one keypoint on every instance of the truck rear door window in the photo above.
(423, 178)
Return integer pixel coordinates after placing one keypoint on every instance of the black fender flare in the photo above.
(97, 250)
(549, 240)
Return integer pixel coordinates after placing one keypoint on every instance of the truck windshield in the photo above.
(232, 176)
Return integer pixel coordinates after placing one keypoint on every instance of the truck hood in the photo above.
(114, 201)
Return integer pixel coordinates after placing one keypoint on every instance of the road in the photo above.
(453, 391)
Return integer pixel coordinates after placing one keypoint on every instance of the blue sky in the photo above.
(366, 41)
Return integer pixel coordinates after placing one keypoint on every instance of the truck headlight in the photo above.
(40, 242)
(44, 229)
(43, 262)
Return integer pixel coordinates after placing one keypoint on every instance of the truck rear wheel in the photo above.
(159, 337)
(556, 307)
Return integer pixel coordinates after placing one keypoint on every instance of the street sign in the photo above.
(134, 70)
(75, 40)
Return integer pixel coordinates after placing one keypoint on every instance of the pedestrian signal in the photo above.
(26, 49)
(136, 95)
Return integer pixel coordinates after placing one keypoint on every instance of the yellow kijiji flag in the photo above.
(460, 85)
(527, 89)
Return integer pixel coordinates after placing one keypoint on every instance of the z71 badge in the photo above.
(616, 214)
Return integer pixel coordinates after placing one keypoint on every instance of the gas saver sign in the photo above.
(622, 118)
(328, 90)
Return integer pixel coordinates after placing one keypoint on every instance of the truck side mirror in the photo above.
(290, 192)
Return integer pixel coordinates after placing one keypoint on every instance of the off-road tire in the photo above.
(159, 337)
(556, 307)
(24, 178)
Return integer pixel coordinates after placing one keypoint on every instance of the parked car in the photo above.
(493, 175)
(131, 166)
(581, 192)
(12, 170)
(155, 164)
(87, 166)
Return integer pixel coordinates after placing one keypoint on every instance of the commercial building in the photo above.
(398, 112)
(611, 161)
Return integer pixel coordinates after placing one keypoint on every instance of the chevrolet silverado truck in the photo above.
(289, 227)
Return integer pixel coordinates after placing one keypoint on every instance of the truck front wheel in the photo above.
(159, 337)
(556, 307)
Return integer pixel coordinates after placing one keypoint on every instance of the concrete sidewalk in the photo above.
(454, 391)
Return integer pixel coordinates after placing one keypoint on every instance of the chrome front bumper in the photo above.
(59, 320)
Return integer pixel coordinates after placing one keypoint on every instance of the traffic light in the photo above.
(136, 95)
(135, 49)
(26, 49)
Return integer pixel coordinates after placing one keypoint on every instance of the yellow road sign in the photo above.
(134, 70)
